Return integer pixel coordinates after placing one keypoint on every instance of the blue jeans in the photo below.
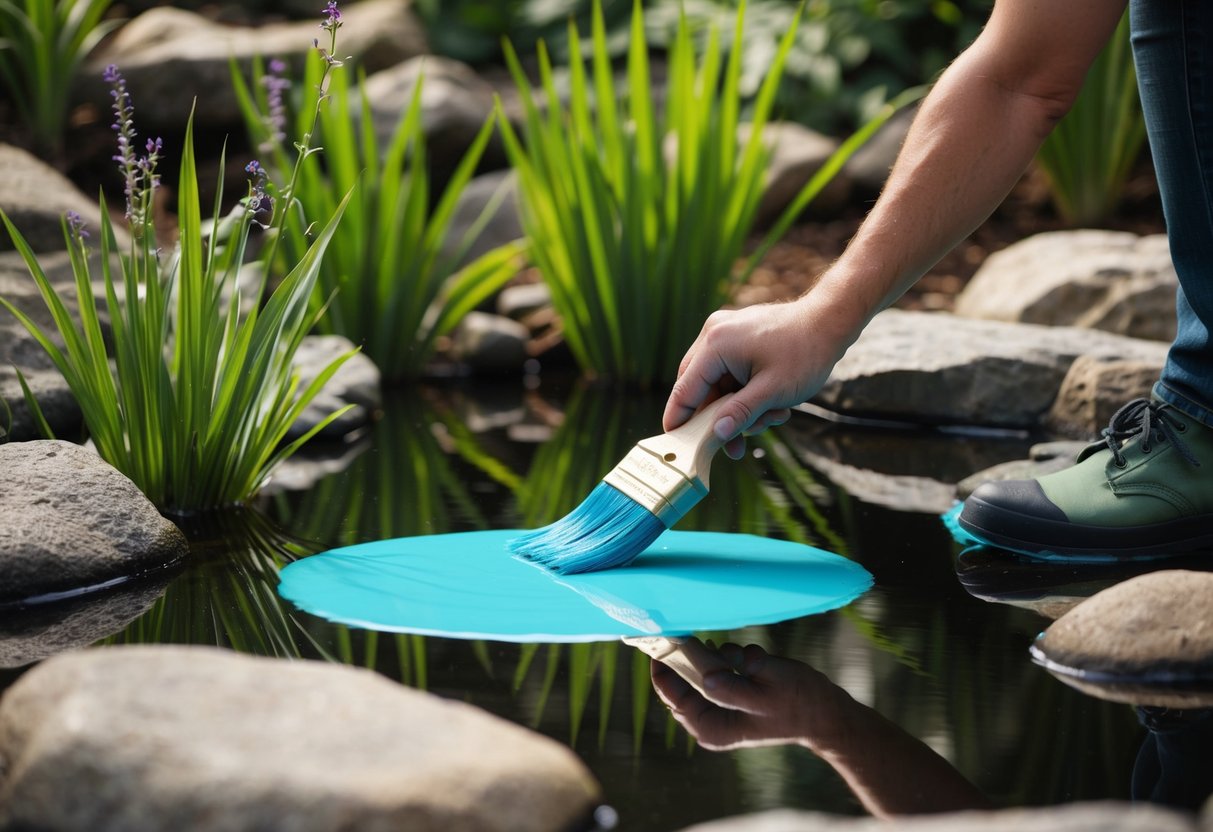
(1173, 49)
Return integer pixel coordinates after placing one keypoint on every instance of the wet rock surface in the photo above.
(72, 521)
(1145, 641)
(204, 739)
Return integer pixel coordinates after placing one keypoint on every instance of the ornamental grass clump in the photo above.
(391, 280)
(635, 220)
(201, 394)
(42, 43)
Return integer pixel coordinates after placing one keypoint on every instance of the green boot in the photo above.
(1144, 490)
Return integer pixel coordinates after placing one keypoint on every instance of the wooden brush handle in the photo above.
(690, 447)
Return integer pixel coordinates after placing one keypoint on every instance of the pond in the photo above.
(939, 645)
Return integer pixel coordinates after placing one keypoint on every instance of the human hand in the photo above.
(774, 355)
(748, 698)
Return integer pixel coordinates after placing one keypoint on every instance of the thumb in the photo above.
(734, 691)
(743, 409)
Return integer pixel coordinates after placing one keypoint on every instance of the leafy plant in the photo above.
(635, 221)
(199, 400)
(1090, 154)
(42, 43)
(388, 282)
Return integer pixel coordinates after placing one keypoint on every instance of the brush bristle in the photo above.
(607, 530)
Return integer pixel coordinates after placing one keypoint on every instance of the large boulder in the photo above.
(797, 154)
(931, 368)
(72, 522)
(174, 59)
(1110, 280)
(35, 197)
(1096, 386)
(207, 740)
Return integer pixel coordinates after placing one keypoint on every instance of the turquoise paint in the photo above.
(467, 585)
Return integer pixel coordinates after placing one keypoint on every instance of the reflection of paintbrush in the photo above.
(655, 485)
(635, 617)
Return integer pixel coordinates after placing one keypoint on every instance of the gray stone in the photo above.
(73, 522)
(490, 343)
(518, 301)
(455, 102)
(1110, 280)
(31, 634)
(1076, 817)
(208, 740)
(1096, 387)
(504, 224)
(931, 368)
(356, 382)
(312, 463)
(1044, 458)
(797, 153)
(36, 196)
(172, 58)
(1145, 641)
(868, 168)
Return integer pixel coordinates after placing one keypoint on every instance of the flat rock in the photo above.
(207, 740)
(940, 369)
(1109, 280)
(1077, 817)
(1096, 386)
(172, 57)
(35, 197)
(72, 522)
(797, 153)
(356, 382)
(1142, 641)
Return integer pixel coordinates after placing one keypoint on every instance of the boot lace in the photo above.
(1152, 421)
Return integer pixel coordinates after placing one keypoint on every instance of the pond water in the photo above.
(938, 646)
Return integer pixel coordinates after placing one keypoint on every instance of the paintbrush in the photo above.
(655, 485)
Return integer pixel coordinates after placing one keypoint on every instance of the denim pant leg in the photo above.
(1173, 50)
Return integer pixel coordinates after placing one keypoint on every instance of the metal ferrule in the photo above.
(658, 486)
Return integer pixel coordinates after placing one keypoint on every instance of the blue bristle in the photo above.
(607, 530)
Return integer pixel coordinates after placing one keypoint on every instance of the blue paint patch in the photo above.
(467, 585)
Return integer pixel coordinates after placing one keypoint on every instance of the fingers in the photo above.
(696, 384)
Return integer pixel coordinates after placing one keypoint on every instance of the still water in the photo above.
(937, 648)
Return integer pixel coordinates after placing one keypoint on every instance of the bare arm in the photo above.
(971, 141)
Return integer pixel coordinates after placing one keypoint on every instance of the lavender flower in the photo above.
(332, 17)
(258, 201)
(276, 84)
(138, 172)
(75, 227)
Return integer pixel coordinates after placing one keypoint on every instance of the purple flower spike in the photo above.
(258, 200)
(276, 86)
(75, 226)
(138, 172)
(332, 17)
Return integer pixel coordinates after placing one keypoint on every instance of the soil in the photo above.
(794, 263)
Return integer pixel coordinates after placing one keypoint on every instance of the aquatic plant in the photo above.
(42, 43)
(392, 281)
(199, 400)
(636, 221)
(1089, 155)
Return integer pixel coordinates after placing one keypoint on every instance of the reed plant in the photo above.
(637, 219)
(198, 400)
(392, 280)
(42, 43)
(1089, 155)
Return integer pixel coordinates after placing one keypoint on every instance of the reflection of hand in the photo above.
(748, 697)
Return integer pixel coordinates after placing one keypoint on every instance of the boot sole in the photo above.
(1039, 537)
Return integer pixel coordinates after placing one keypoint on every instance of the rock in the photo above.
(207, 740)
(315, 461)
(356, 382)
(73, 522)
(490, 343)
(1096, 387)
(868, 168)
(1042, 459)
(1148, 641)
(931, 368)
(455, 102)
(171, 57)
(31, 634)
(1109, 280)
(36, 196)
(518, 301)
(1077, 817)
(504, 224)
(797, 153)
(19, 350)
